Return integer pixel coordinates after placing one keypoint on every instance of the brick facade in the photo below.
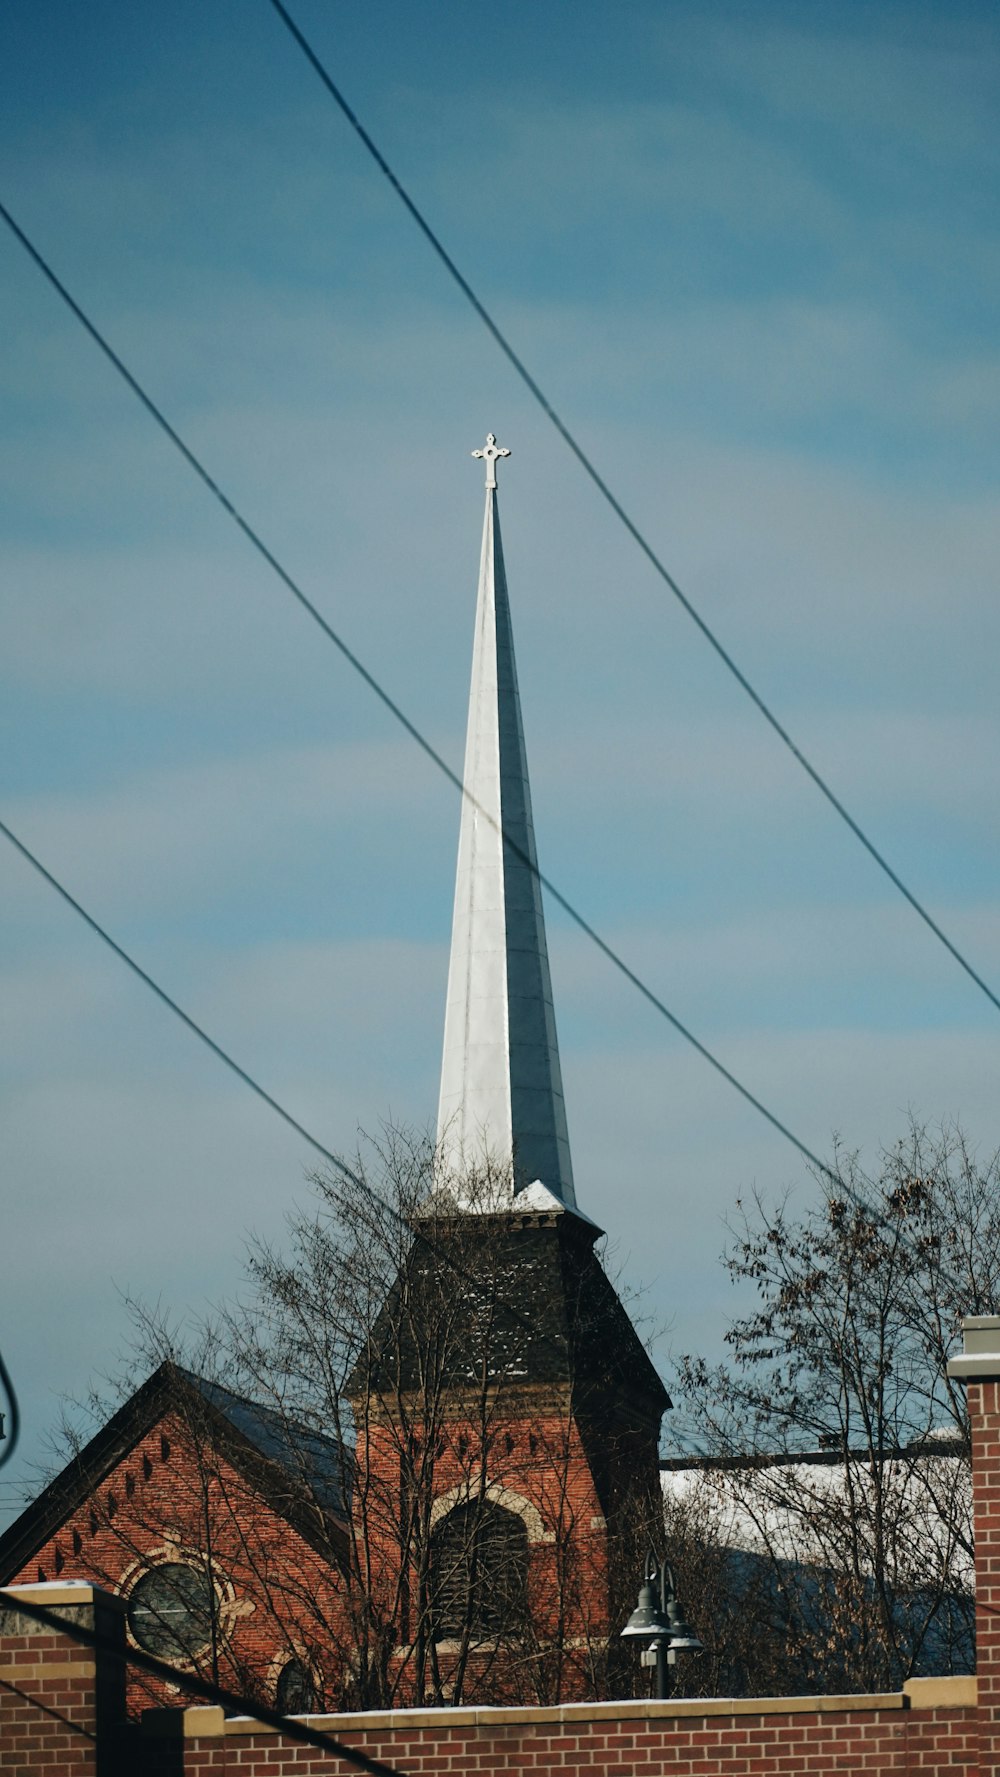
(55, 1721)
(552, 1415)
(562, 1437)
(537, 1469)
(62, 1709)
(61, 1705)
(165, 1499)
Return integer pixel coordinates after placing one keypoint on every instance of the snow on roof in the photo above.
(796, 1509)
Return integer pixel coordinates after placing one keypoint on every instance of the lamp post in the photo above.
(658, 1620)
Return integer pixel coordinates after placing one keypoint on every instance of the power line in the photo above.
(436, 758)
(590, 469)
(414, 1229)
(165, 999)
(261, 1092)
(231, 1701)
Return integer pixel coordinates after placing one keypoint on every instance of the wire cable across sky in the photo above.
(590, 469)
(841, 1186)
(291, 585)
(261, 1092)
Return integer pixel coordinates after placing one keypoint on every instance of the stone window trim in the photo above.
(297, 1654)
(491, 1644)
(175, 1553)
(467, 1493)
(479, 1572)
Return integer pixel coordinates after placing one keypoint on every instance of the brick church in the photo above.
(471, 1527)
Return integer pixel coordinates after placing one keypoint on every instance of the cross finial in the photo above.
(492, 451)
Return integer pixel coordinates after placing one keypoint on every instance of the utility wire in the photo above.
(231, 1701)
(241, 1073)
(436, 758)
(589, 468)
(841, 1186)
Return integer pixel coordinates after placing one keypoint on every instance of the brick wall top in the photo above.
(942, 1693)
(980, 1356)
(51, 1594)
(918, 1694)
(90, 1606)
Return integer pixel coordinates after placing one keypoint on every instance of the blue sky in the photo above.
(752, 254)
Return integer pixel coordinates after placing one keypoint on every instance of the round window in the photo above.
(170, 1611)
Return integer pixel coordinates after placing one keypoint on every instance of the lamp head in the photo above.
(647, 1619)
(681, 1634)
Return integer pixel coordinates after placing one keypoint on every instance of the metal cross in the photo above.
(489, 456)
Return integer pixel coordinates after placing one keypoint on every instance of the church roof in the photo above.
(531, 1302)
(298, 1471)
(501, 1084)
(318, 1461)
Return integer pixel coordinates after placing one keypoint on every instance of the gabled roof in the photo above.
(298, 1471)
(318, 1461)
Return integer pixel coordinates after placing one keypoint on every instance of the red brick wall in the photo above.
(541, 1471)
(872, 1735)
(984, 1414)
(60, 1707)
(154, 1506)
(934, 1726)
(46, 1706)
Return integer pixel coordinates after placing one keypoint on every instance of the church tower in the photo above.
(505, 1392)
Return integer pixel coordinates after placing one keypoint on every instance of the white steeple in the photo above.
(501, 1086)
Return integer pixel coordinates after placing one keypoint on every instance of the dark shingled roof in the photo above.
(308, 1455)
(523, 1291)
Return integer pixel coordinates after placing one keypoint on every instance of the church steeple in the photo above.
(501, 1085)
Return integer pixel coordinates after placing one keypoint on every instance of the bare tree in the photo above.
(189, 1501)
(728, 1591)
(465, 1366)
(447, 1402)
(859, 1303)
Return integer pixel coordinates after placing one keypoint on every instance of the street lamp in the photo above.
(657, 1620)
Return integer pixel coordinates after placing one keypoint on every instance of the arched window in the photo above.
(479, 1571)
(295, 1691)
